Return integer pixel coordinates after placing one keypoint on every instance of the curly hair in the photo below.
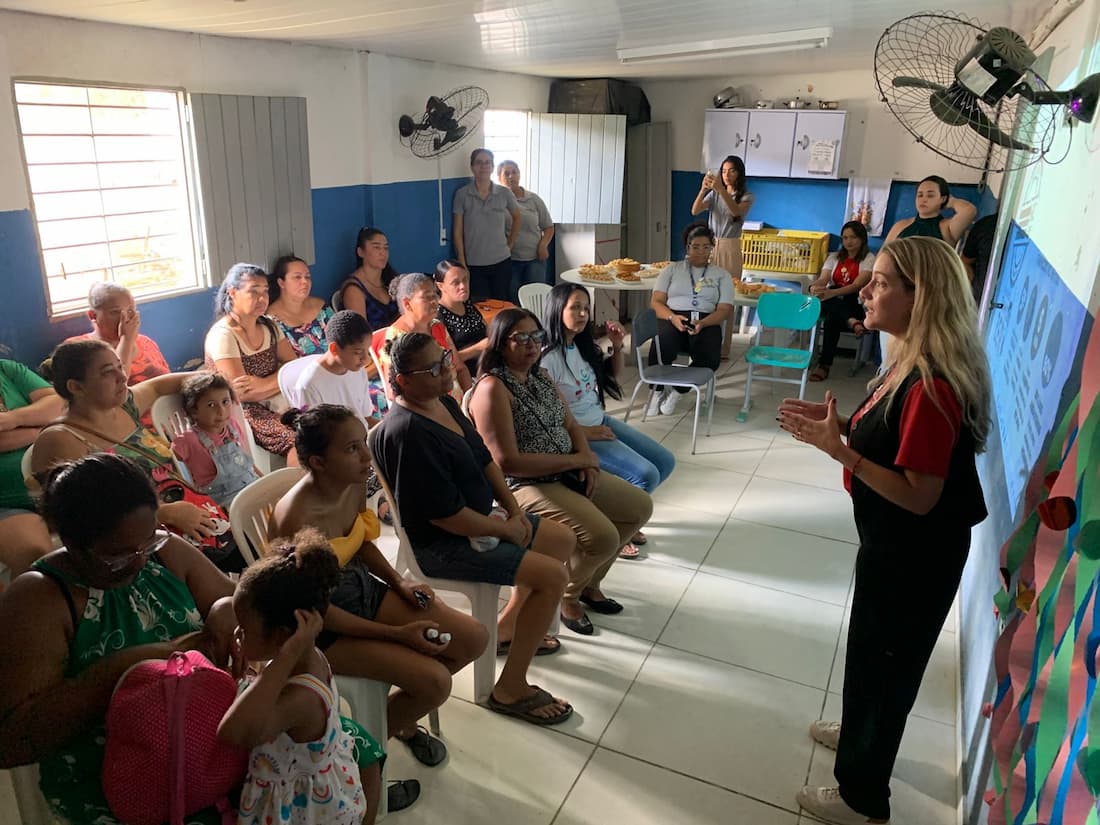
(299, 573)
(195, 385)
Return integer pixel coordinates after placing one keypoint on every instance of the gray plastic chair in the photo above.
(338, 298)
(672, 375)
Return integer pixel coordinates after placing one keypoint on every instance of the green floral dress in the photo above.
(155, 607)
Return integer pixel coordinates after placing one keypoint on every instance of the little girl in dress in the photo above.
(214, 450)
(309, 765)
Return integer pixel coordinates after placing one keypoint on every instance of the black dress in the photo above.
(466, 329)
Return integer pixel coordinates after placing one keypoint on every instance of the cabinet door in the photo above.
(814, 134)
(725, 132)
(768, 151)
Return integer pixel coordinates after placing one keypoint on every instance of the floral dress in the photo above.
(309, 338)
(155, 607)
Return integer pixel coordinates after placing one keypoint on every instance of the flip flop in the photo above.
(608, 607)
(819, 374)
(523, 709)
(426, 748)
(639, 538)
(630, 551)
(402, 793)
(548, 646)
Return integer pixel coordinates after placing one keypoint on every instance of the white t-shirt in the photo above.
(713, 286)
(577, 381)
(316, 385)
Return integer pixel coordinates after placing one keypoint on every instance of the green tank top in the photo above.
(155, 607)
(923, 228)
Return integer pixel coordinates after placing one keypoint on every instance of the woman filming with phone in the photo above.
(692, 298)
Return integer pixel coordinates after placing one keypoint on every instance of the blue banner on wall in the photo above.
(1032, 341)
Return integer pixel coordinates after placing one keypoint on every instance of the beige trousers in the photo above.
(602, 524)
(727, 254)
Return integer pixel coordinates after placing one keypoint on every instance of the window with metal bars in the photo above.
(112, 189)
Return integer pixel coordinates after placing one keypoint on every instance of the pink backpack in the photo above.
(163, 760)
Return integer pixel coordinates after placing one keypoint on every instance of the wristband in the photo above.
(856, 465)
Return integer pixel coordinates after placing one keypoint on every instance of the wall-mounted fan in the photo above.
(969, 94)
(446, 123)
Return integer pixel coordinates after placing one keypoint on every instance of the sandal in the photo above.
(858, 330)
(548, 645)
(387, 516)
(523, 709)
(820, 373)
(608, 607)
(426, 748)
(639, 538)
(583, 625)
(402, 793)
(630, 551)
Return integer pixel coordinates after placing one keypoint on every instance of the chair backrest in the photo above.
(466, 396)
(25, 472)
(406, 559)
(533, 297)
(251, 509)
(288, 378)
(377, 341)
(788, 310)
(170, 420)
(338, 298)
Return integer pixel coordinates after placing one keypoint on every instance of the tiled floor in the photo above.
(692, 705)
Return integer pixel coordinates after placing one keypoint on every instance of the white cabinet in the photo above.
(775, 143)
(817, 140)
(771, 140)
(725, 132)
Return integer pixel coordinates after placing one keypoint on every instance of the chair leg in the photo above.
(484, 609)
(710, 403)
(630, 406)
(695, 423)
(433, 721)
(802, 386)
(744, 414)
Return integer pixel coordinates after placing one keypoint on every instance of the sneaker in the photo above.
(825, 733)
(671, 399)
(827, 805)
(654, 407)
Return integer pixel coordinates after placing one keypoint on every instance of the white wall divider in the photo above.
(577, 164)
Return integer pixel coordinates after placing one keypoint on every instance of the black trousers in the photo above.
(901, 598)
(836, 312)
(705, 348)
(493, 281)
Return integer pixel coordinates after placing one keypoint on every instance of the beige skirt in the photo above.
(727, 254)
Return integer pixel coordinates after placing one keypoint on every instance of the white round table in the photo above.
(573, 276)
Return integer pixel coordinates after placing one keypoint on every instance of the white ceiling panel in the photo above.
(551, 38)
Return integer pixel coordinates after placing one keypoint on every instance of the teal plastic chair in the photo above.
(781, 310)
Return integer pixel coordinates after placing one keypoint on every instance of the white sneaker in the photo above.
(825, 733)
(668, 405)
(654, 407)
(828, 806)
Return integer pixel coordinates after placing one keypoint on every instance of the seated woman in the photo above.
(584, 375)
(416, 294)
(459, 315)
(104, 415)
(27, 403)
(548, 464)
(301, 316)
(691, 298)
(446, 483)
(117, 322)
(377, 624)
(247, 348)
(119, 591)
(367, 289)
(843, 275)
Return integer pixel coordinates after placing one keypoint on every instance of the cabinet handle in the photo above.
(805, 142)
(755, 142)
(738, 140)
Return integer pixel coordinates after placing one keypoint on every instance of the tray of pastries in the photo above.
(654, 269)
(597, 273)
(625, 265)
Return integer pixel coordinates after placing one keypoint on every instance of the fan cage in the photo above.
(470, 103)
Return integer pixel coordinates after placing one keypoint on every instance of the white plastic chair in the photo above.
(533, 297)
(288, 378)
(251, 510)
(483, 597)
(32, 806)
(338, 298)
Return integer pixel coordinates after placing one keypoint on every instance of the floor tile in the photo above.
(648, 591)
(797, 507)
(806, 565)
(923, 790)
(680, 535)
(702, 488)
(498, 770)
(788, 463)
(615, 788)
(754, 627)
(741, 730)
(735, 452)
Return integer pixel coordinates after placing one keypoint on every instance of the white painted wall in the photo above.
(875, 145)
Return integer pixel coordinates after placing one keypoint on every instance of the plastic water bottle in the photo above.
(483, 543)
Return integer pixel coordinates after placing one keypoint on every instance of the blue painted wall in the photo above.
(813, 205)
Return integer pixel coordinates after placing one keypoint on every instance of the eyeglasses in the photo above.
(153, 545)
(436, 368)
(536, 337)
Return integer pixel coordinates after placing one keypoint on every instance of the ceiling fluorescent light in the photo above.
(730, 47)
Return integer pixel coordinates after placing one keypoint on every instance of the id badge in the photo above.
(694, 316)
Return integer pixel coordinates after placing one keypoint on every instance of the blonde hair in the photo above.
(942, 339)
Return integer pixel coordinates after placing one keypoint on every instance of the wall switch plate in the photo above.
(442, 237)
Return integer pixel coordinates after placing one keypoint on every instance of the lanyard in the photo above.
(695, 288)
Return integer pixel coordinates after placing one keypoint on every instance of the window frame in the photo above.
(202, 280)
(525, 160)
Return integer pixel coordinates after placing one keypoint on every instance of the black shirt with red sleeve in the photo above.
(922, 431)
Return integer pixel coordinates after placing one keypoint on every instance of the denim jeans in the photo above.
(527, 272)
(633, 456)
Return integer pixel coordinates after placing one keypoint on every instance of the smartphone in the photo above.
(689, 324)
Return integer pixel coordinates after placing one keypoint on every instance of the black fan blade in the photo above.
(904, 82)
(961, 108)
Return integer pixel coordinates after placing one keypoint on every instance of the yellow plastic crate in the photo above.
(784, 250)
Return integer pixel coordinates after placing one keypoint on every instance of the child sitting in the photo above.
(308, 764)
(213, 449)
(338, 376)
